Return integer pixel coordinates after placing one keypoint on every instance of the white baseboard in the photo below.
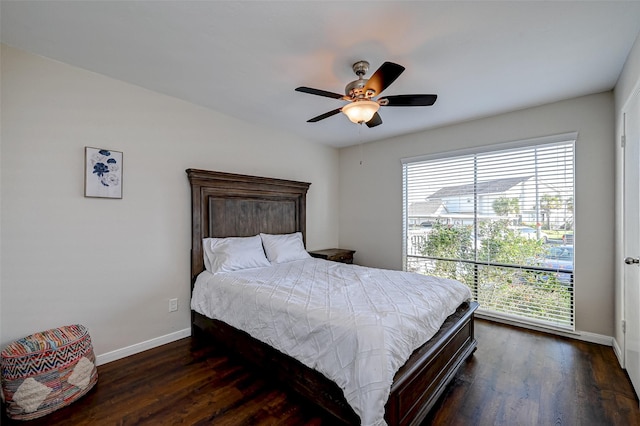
(578, 335)
(142, 346)
(600, 339)
(172, 337)
(618, 351)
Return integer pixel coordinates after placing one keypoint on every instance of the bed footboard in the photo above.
(416, 387)
(422, 380)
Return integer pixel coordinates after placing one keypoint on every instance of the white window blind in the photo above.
(501, 221)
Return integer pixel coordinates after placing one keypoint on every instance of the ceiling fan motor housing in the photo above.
(355, 90)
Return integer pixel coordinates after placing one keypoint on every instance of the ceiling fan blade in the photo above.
(325, 115)
(384, 76)
(411, 100)
(376, 120)
(319, 92)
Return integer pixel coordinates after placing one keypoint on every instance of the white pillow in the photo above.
(233, 253)
(282, 248)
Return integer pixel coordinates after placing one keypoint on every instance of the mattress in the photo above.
(355, 325)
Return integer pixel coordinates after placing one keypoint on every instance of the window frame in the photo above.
(475, 151)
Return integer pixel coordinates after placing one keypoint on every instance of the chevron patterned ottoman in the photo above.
(47, 371)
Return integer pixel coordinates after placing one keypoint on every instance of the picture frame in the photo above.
(103, 173)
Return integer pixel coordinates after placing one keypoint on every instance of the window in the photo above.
(499, 219)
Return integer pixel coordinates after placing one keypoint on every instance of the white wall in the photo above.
(371, 193)
(110, 264)
(628, 82)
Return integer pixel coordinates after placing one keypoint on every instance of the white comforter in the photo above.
(355, 325)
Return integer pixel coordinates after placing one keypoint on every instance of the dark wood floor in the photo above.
(516, 377)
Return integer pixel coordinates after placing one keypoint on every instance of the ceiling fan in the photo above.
(360, 93)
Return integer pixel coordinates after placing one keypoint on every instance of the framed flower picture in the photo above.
(103, 173)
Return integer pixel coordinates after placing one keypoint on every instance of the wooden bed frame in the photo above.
(225, 205)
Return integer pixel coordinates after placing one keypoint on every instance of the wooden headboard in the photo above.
(232, 205)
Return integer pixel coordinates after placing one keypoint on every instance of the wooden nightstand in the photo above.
(336, 255)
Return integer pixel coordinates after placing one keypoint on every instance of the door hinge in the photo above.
(623, 140)
(624, 326)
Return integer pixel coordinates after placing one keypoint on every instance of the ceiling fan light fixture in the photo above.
(360, 111)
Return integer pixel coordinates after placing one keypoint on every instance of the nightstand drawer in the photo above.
(335, 255)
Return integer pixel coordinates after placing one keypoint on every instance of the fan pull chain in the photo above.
(361, 142)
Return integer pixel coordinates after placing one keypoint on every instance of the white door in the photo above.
(632, 239)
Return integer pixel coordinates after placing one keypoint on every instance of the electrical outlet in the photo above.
(173, 305)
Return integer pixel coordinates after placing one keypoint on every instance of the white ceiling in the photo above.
(245, 58)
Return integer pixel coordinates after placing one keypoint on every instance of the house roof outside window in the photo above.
(495, 186)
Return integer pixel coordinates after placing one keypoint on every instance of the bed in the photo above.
(232, 205)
